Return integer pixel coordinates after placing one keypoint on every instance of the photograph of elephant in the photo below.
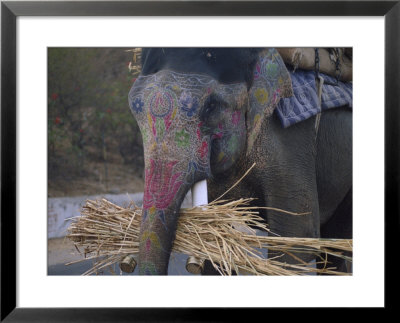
(148, 128)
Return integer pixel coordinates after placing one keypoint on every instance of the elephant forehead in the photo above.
(195, 83)
(166, 107)
(169, 95)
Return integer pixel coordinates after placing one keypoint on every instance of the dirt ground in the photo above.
(61, 251)
(115, 178)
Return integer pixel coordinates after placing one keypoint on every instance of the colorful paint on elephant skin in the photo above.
(160, 128)
(137, 105)
(270, 76)
(162, 115)
(257, 71)
(150, 239)
(271, 70)
(271, 83)
(261, 95)
(222, 157)
(150, 214)
(194, 168)
(188, 104)
(232, 144)
(145, 136)
(147, 268)
(161, 102)
(198, 131)
(169, 118)
(182, 138)
(236, 118)
(161, 184)
(276, 97)
(203, 150)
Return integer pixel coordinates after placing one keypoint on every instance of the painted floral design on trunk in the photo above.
(161, 184)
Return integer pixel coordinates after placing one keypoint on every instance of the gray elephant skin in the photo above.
(209, 114)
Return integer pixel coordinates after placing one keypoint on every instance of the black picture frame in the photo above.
(10, 10)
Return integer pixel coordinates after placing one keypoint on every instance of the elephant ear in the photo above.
(271, 82)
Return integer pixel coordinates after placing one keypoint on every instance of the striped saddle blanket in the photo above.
(305, 104)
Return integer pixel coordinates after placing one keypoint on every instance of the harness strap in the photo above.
(319, 82)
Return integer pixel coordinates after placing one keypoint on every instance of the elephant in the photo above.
(208, 114)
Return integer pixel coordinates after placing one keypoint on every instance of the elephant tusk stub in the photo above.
(199, 191)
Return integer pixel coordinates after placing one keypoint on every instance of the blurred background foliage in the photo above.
(94, 143)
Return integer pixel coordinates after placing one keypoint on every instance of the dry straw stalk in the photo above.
(222, 231)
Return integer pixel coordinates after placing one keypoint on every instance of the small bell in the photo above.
(128, 264)
(195, 265)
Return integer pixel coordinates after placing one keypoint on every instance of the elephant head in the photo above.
(198, 111)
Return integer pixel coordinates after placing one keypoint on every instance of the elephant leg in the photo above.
(209, 270)
(289, 182)
(340, 226)
(220, 183)
(302, 225)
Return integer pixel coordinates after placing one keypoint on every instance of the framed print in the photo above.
(42, 40)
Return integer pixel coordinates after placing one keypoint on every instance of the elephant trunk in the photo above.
(177, 154)
(165, 190)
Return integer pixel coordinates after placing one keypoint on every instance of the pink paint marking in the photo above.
(217, 135)
(199, 130)
(154, 126)
(257, 72)
(148, 244)
(161, 185)
(236, 118)
(203, 150)
(167, 121)
(159, 100)
(277, 95)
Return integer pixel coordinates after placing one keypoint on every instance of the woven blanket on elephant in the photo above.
(305, 104)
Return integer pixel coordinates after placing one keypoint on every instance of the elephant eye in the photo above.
(210, 105)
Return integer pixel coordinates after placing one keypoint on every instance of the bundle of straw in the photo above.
(108, 232)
